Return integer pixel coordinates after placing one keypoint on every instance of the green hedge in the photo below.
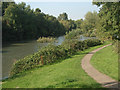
(51, 54)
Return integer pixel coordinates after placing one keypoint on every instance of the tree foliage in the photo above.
(20, 22)
(63, 16)
(89, 23)
(69, 24)
(109, 24)
(78, 23)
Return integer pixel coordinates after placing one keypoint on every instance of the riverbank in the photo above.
(52, 54)
(66, 74)
(23, 48)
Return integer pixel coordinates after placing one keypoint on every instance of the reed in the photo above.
(46, 39)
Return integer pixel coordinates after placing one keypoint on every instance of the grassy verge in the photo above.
(106, 61)
(65, 74)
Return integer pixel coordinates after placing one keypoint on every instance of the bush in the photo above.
(92, 42)
(74, 34)
(51, 54)
(46, 39)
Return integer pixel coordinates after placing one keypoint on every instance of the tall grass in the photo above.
(46, 39)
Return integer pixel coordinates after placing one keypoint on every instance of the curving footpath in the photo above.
(101, 78)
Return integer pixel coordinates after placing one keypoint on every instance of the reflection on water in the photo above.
(16, 51)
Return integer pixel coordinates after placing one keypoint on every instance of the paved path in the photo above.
(101, 78)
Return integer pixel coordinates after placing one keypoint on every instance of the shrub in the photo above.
(46, 39)
(92, 42)
(52, 53)
(74, 34)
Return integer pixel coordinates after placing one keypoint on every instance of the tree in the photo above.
(5, 5)
(68, 24)
(89, 23)
(78, 23)
(63, 16)
(22, 23)
(37, 10)
(109, 24)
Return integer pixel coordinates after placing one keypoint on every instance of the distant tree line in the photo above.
(20, 22)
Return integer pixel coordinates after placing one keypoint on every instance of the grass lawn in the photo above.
(66, 74)
(106, 61)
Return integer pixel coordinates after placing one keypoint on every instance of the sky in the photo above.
(75, 10)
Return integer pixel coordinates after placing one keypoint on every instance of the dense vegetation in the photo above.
(90, 23)
(109, 24)
(22, 23)
(52, 54)
(74, 34)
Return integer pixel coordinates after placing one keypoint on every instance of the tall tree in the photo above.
(109, 25)
(5, 5)
(20, 22)
(63, 16)
(78, 23)
(90, 22)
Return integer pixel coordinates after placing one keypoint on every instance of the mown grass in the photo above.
(66, 74)
(106, 61)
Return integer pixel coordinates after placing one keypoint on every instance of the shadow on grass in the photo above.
(30, 70)
(52, 63)
(70, 83)
(77, 86)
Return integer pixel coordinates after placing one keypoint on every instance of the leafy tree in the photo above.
(109, 24)
(89, 23)
(22, 23)
(68, 24)
(37, 10)
(63, 16)
(78, 23)
(5, 5)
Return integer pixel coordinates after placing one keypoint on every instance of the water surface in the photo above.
(16, 51)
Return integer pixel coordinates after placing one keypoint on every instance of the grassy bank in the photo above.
(106, 61)
(52, 54)
(66, 74)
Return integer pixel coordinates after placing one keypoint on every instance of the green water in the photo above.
(16, 51)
